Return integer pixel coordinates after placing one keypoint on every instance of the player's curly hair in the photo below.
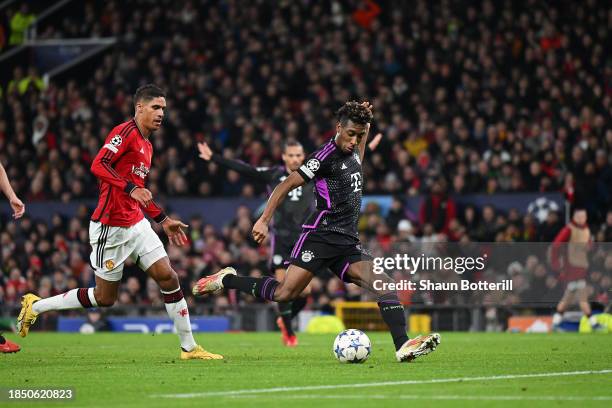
(355, 112)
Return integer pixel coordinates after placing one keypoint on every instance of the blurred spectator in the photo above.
(605, 231)
(572, 263)
(438, 209)
(19, 23)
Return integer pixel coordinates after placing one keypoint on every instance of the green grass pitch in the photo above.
(129, 370)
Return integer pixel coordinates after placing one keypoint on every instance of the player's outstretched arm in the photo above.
(364, 140)
(16, 204)
(174, 229)
(242, 168)
(556, 258)
(260, 229)
(153, 210)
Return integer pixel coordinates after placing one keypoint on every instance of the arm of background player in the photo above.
(102, 167)
(260, 229)
(562, 236)
(5, 186)
(374, 143)
(242, 168)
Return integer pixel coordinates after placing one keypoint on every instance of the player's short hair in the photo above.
(354, 112)
(291, 143)
(147, 92)
(578, 209)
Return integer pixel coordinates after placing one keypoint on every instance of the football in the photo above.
(352, 346)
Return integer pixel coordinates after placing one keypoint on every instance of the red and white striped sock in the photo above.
(176, 306)
(73, 299)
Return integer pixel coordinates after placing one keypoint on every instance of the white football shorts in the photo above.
(112, 246)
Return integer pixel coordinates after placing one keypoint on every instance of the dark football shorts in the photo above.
(317, 251)
(281, 250)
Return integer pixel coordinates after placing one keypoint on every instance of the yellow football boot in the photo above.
(198, 353)
(27, 317)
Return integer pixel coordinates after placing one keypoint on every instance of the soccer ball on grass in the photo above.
(352, 346)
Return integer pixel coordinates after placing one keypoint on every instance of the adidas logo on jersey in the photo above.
(343, 166)
(142, 150)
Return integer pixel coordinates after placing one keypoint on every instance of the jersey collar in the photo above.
(139, 132)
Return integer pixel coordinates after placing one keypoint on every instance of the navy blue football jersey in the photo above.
(338, 180)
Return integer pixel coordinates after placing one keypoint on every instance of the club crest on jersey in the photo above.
(307, 256)
(110, 265)
(116, 140)
(313, 165)
(141, 171)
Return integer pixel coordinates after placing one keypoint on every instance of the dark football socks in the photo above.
(297, 305)
(284, 310)
(262, 288)
(392, 312)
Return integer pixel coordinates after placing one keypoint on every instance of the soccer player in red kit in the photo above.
(569, 255)
(118, 229)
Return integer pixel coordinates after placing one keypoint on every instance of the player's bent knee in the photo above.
(169, 275)
(105, 301)
(164, 274)
(281, 297)
(285, 294)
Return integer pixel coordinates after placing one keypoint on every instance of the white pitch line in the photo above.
(377, 384)
(446, 397)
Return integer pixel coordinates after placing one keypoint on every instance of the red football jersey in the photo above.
(122, 165)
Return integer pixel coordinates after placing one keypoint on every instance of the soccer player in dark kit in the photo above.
(286, 225)
(329, 238)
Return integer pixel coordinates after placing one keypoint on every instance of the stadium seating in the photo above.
(477, 99)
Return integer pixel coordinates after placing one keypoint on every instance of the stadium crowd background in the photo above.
(470, 96)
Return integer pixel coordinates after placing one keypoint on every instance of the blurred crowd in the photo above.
(50, 258)
(471, 96)
(488, 98)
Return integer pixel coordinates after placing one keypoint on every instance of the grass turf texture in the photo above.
(134, 369)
